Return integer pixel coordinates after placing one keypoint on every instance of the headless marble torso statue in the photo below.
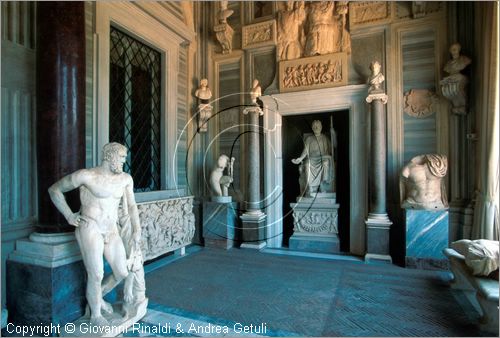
(421, 183)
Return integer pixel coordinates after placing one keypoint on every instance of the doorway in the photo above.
(293, 130)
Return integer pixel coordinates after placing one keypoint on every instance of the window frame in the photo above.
(148, 30)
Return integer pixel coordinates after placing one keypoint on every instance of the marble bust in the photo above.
(255, 92)
(316, 162)
(458, 62)
(376, 78)
(107, 225)
(421, 183)
(204, 94)
(219, 183)
(453, 86)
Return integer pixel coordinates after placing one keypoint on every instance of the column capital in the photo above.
(253, 109)
(377, 96)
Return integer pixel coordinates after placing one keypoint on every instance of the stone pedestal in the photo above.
(219, 224)
(315, 225)
(253, 226)
(426, 237)
(46, 280)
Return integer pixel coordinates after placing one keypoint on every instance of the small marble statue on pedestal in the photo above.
(219, 183)
(220, 214)
(108, 225)
(204, 94)
(453, 86)
(421, 183)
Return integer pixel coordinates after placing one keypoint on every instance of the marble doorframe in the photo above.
(351, 98)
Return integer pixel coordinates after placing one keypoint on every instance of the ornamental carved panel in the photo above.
(314, 221)
(322, 71)
(363, 13)
(420, 103)
(167, 225)
(259, 35)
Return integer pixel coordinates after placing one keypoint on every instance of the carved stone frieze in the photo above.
(167, 225)
(362, 13)
(314, 72)
(319, 222)
(420, 103)
(416, 9)
(259, 34)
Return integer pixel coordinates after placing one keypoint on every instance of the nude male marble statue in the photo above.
(97, 223)
(219, 183)
(318, 166)
(421, 183)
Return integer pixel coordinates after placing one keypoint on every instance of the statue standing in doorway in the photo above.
(105, 193)
(317, 162)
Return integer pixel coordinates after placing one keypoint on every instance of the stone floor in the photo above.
(286, 295)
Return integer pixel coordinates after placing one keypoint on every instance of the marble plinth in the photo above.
(45, 280)
(253, 228)
(378, 228)
(315, 225)
(219, 223)
(45, 295)
(118, 321)
(426, 236)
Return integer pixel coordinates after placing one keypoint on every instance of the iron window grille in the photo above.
(135, 107)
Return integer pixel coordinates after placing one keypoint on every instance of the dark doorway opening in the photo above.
(293, 130)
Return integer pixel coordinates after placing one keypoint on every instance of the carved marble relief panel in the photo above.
(259, 34)
(417, 9)
(167, 225)
(420, 103)
(313, 72)
(365, 13)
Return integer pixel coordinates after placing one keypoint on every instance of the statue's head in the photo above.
(317, 127)
(223, 161)
(203, 82)
(455, 50)
(115, 154)
(289, 5)
(375, 67)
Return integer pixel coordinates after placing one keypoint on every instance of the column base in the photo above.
(253, 227)
(46, 280)
(372, 258)
(377, 237)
